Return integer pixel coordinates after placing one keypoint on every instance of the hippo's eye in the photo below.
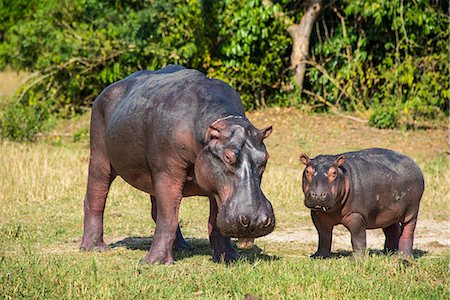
(332, 174)
(309, 172)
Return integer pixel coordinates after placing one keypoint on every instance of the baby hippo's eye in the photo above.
(332, 174)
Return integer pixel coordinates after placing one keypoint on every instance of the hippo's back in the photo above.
(386, 182)
(388, 168)
(152, 117)
(382, 162)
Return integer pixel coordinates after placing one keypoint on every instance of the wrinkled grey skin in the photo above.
(367, 189)
(174, 133)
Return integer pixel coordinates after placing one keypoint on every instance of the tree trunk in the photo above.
(300, 34)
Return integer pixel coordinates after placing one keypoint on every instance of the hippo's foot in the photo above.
(320, 255)
(390, 251)
(222, 250)
(157, 258)
(94, 246)
(180, 243)
(227, 256)
(245, 243)
(182, 246)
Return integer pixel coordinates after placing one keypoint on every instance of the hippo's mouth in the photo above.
(318, 207)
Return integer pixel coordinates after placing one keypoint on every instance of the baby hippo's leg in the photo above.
(405, 244)
(392, 234)
(324, 225)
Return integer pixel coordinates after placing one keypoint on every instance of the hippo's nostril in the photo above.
(269, 221)
(243, 220)
(312, 194)
(324, 195)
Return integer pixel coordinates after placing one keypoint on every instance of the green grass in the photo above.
(42, 188)
(116, 275)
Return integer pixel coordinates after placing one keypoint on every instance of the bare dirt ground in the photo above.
(430, 236)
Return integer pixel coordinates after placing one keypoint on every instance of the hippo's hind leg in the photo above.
(100, 177)
(180, 243)
(405, 244)
(392, 234)
(220, 245)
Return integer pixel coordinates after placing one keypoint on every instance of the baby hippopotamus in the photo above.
(367, 189)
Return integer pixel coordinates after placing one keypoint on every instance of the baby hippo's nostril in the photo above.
(313, 194)
(268, 222)
(243, 220)
(324, 195)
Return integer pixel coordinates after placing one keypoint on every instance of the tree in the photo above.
(300, 34)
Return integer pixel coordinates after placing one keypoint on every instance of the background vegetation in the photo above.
(386, 61)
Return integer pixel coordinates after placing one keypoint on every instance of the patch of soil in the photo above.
(430, 236)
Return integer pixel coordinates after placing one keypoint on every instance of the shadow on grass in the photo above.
(417, 253)
(199, 247)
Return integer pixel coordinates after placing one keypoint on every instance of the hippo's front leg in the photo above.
(168, 197)
(220, 245)
(180, 243)
(356, 224)
(324, 225)
(392, 234)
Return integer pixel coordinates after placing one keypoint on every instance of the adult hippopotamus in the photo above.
(174, 133)
(367, 189)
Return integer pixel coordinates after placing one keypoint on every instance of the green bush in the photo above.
(253, 54)
(21, 122)
(384, 118)
(390, 56)
(79, 47)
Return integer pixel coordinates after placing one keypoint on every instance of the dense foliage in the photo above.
(386, 56)
(390, 56)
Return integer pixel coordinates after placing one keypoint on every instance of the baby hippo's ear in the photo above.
(340, 160)
(304, 159)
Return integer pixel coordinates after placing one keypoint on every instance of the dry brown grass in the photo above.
(10, 81)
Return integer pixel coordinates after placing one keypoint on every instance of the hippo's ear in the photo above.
(218, 130)
(340, 160)
(266, 132)
(213, 133)
(304, 159)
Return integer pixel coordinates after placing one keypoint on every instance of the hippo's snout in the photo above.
(247, 224)
(258, 224)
